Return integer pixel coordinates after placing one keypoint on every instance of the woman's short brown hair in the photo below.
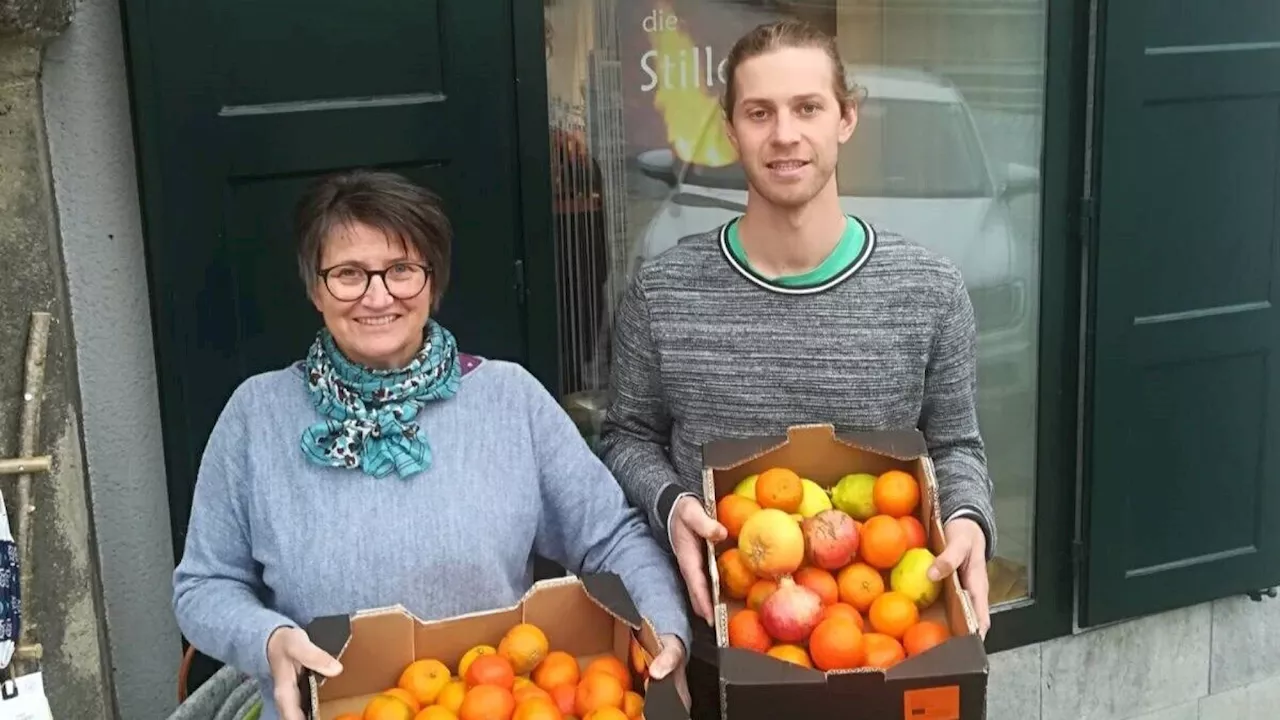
(400, 208)
(779, 35)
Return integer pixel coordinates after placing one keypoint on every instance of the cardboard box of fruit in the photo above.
(572, 648)
(822, 598)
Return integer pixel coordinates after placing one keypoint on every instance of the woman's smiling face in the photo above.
(378, 329)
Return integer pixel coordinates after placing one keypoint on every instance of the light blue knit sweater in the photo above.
(276, 540)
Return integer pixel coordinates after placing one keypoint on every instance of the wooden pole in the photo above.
(28, 429)
(20, 466)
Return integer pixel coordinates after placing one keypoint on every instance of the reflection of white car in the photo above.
(916, 166)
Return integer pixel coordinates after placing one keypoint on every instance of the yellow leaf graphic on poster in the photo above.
(692, 115)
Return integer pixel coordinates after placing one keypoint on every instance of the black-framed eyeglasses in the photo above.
(403, 280)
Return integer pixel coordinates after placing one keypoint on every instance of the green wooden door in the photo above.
(238, 104)
(1184, 499)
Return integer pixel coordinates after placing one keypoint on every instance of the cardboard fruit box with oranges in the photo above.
(573, 647)
(822, 599)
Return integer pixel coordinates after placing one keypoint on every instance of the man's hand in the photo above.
(289, 650)
(967, 552)
(690, 527)
(671, 660)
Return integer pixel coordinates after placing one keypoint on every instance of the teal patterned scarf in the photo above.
(370, 412)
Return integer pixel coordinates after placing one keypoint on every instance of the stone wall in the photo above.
(63, 606)
(1217, 661)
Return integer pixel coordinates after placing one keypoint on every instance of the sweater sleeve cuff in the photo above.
(665, 508)
(975, 515)
(261, 624)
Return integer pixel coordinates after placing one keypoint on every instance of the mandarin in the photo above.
(451, 696)
(792, 654)
(538, 708)
(596, 690)
(759, 592)
(896, 493)
(606, 713)
(487, 702)
(736, 578)
(860, 584)
(892, 614)
(387, 707)
(883, 542)
(491, 670)
(557, 668)
(612, 666)
(746, 631)
(565, 697)
(470, 656)
(883, 652)
(914, 530)
(924, 635)
(733, 510)
(842, 609)
(408, 697)
(633, 704)
(836, 644)
(524, 645)
(780, 489)
(436, 712)
(528, 692)
(424, 679)
(821, 582)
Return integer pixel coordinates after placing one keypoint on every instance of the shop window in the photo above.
(947, 152)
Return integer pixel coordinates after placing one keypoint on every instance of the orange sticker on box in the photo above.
(935, 703)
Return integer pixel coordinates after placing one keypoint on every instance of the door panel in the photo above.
(1183, 504)
(239, 105)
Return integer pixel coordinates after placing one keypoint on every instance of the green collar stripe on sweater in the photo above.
(850, 254)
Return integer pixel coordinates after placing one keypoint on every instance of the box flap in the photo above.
(902, 444)
(748, 667)
(329, 633)
(608, 590)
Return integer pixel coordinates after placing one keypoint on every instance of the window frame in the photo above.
(1049, 612)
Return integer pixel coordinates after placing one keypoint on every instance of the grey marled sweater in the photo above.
(704, 348)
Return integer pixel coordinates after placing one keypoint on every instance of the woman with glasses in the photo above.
(386, 467)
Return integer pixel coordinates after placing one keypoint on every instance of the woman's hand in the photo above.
(691, 527)
(289, 650)
(671, 660)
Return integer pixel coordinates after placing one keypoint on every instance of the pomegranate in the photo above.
(791, 612)
(830, 539)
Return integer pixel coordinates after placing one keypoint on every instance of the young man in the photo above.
(793, 313)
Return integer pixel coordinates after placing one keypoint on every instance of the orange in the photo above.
(465, 663)
(923, 636)
(451, 696)
(487, 702)
(893, 613)
(779, 488)
(606, 713)
(529, 692)
(408, 698)
(736, 578)
(746, 631)
(883, 652)
(860, 584)
(436, 712)
(611, 665)
(633, 705)
(598, 689)
(841, 609)
(791, 653)
(820, 581)
(883, 542)
(759, 592)
(557, 668)
(524, 645)
(387, 707)
(896, 493)
(537, 709)
(351, 716)
(916, 537)
(565, 697)
(491, 670)
(424, 679)
(836, 644)
(733, 510)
